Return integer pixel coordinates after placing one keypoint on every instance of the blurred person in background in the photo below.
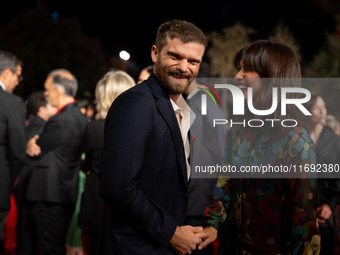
(110, 86)
(12, 132)
(86, 108)
(333, 123)
(145, 73)
(39, 110)
(53, 187)
(327, 152)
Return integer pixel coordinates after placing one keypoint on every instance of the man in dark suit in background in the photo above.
(53, 185)
(145, 167)
(12, 132)
(39, 110)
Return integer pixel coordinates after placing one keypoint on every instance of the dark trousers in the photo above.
(51, 224)
(328, 240)
(27, 234)
(91, 243)
(3, 219)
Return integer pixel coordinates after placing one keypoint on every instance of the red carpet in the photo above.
(10, 231)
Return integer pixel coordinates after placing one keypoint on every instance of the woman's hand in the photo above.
(324, 213)
(209, 235)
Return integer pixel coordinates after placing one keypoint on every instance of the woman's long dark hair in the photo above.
(278, 64)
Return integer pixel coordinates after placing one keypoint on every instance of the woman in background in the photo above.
(107, 90)
(333, 123)
(327, 152)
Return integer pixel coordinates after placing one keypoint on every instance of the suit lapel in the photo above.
(165, 108)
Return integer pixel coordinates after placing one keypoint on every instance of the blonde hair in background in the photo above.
(109, 88)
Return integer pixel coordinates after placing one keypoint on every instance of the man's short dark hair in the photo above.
(183, 30)
(8, 60)
(35, 101)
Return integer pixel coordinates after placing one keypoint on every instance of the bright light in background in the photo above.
(124, 55)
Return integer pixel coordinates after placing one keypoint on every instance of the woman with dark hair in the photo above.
(267, 64)
(327, 152)
(269, 215)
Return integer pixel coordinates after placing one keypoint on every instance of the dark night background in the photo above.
(86, 37)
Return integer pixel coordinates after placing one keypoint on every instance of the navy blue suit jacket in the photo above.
(143, 173)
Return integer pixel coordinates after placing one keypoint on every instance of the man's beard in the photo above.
(170, 86)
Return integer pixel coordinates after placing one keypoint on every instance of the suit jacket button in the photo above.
(186, 194)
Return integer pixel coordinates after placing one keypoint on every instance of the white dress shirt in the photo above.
(185, 117)
(2, 85)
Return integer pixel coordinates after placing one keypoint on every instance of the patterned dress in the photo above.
(266, 216)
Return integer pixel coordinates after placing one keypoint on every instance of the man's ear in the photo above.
(154, 53)
(6, 75)
(59, 91)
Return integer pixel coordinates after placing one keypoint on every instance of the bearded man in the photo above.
(145, 170)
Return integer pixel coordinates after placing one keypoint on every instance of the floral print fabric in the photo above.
(266, 216)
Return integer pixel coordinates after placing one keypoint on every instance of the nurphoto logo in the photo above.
(204, 98)
(239, 105)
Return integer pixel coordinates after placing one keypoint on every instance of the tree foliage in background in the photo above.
(224, 46)
(283, 34)
(45, 43)
(326, 64)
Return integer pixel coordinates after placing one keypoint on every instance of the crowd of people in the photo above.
(119, 174)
